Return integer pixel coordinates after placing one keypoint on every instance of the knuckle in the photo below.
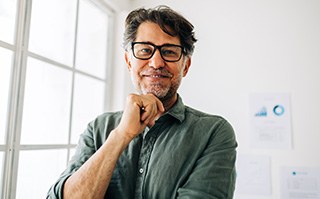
(131, 97)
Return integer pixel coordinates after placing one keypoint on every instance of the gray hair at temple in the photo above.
(171, 22)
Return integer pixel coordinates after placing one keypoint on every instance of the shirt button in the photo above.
(141, 170)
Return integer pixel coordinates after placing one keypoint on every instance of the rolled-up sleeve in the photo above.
(84, 151)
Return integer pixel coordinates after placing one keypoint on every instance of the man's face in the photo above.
(156, 75)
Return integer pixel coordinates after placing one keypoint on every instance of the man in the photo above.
(157, 147)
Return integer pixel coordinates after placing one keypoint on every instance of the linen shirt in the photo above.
(186, 154)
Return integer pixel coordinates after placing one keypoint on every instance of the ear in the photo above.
(127, 59)
(187, 66)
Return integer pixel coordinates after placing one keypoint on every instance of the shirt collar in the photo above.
(177, 110)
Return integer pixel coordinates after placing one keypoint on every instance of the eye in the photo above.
(170, 52)
(145, 51)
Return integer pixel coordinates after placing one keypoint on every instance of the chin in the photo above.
(159, 93)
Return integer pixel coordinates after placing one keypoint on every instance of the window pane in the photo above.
(5, 73)
(38, 170)
(92, 40)
(88, 103)
(46, 107)
(7, 20)
(52, 29)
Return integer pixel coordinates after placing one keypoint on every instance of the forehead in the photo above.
(151, 32)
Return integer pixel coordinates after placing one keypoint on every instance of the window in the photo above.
(53, 81)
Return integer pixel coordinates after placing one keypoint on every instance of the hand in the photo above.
(140, 111)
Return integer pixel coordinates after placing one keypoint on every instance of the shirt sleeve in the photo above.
(85, 149)
(89, 142)
(214, 172)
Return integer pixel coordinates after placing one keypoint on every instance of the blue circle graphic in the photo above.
(278, 110)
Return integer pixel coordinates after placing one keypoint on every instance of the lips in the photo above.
(156, 74)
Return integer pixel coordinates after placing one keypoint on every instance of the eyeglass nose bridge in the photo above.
(154, 51)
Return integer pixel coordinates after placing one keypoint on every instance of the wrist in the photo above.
(120, 136)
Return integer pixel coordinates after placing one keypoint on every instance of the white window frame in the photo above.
(12, 146)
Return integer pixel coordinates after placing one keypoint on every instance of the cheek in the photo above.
(134, 70)
(138, 65)
(176, 68)
(178, 75)
(181, 71)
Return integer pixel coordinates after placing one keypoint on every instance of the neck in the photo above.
(169, 102)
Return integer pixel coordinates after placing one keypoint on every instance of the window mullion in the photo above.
(16, 99)
(73, 79)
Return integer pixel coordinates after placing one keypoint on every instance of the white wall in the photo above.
(117, 5)
(255, 46)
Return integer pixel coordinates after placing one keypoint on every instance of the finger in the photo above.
(160, 106)
(149, 112)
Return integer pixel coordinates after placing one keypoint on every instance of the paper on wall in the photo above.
(270, 120)
(253, 175)
(300, 183)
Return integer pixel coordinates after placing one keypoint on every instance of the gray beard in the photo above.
(157, 90)
(163, 94)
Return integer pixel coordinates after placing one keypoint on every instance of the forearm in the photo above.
(93, 177)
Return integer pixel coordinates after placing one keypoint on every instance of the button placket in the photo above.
(145, 153)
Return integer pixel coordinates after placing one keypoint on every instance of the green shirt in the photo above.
(186, 154)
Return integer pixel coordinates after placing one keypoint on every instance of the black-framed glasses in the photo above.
(168, 52)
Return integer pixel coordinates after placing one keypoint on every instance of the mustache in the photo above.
(158, 72)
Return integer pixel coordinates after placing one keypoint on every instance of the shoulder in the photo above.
(198, 115)
(215, 124)
(108, 118)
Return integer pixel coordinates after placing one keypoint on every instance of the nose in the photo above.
(156, 60)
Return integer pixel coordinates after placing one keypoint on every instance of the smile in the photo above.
(156, 76)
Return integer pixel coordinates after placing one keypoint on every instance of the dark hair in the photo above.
(169, 21)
